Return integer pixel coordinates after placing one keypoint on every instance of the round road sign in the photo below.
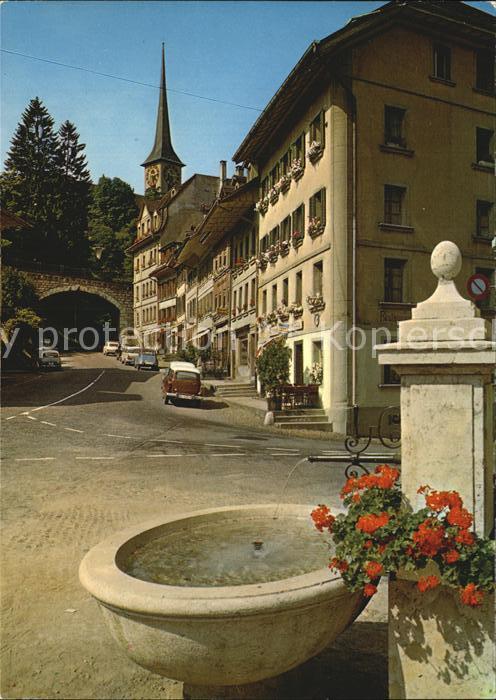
(478, 286)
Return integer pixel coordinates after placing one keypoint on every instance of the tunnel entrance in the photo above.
(80, 317)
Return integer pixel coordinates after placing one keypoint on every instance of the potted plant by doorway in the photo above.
(273, 370)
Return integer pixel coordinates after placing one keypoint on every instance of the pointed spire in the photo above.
(162, 148)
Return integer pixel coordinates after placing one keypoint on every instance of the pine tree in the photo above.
(74, 193)
(29, 183)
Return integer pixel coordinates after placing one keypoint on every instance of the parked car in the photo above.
(49, 359)
(181, 380)
(129, 353)
(147, 359)
(111, 347)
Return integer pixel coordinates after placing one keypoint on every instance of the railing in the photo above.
(289, 396)
(387, 431)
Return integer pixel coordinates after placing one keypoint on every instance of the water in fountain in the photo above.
(290, 474)
(230, 553)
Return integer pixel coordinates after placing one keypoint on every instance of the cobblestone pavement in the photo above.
(92, 449)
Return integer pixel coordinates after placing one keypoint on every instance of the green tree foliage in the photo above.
(74, 192)
(29, 184)
(17, 292)
(21, 331)
(188, 354)
(273, 364)
(46, 182)
(112, 217)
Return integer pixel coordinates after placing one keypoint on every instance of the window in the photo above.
(274, 297)
(394, 120)
(299, 220)
(318, 272)
(235, 297)
(299, 288)
(390, 376)
(253, 293)
(317, 351)
(483, 213)
(442, 62)
(274, 236)
(394, 204)
(317, 206)
(484, 71)
(265, 186)
(264, 301)
(393, 280)
(298, 149)
(253, 242)
(264, 243)
(285, 291)
(274, 175)
(317, 129)
(286, 229)
(285, 163)
(484, 139)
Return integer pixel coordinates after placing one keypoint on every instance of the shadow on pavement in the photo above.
(53, 386)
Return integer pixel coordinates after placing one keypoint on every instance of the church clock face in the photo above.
(152, 176)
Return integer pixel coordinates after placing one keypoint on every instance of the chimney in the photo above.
(223, 174)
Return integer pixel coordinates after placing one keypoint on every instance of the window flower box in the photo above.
(284, 248)
(273, 195)
(262, 205)
(297, 238)
(315, 227)
(240, 262)
(283, 183)
(262, 261)
(271, 318)
(315, 151)
(296, 310)
(252, 303)
(282, 312)
(273, 253)
(297, 169)
(316, 303)
(261, 321)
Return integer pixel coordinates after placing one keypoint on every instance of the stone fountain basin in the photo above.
(219, 635)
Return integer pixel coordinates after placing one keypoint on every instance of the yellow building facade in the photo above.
(378, 145)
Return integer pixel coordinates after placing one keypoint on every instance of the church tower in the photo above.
(162, 167)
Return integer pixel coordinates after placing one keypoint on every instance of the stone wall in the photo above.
(117, 293)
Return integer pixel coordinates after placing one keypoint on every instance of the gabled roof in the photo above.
(162, 148)
(457, 20)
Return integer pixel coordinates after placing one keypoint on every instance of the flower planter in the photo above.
(314, 231)
(284, 183)
(297, 242)
(273, 196)
(315, 151)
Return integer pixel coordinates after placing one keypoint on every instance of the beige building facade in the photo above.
(363, 170)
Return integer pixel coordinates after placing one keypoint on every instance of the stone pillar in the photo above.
(439, 648)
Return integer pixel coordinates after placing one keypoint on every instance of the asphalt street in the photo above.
(92, 449)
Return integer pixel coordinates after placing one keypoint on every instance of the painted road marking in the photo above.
(95, 457)
(176, 442)
(200, 454)
(66, 398)
(213, 444)
(11, 417)
(127, 437)
(284, 454)
(285, 449)
(31, 418)
(34, 459)
(74, 430)
(45, 422)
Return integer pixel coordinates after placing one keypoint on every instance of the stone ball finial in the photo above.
(446, 260)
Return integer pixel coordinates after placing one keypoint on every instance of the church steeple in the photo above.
(162, 167)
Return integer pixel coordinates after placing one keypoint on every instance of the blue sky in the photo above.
(238, 52)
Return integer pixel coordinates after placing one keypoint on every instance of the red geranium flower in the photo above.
(465, 537)
(425, 583)
(371, 523)
(470, 595)
(322, 518)
(429, 538)
(460, 517)
(373, 569)
(451, 556)
(369, 590)
(438, 500)
(368, 544)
